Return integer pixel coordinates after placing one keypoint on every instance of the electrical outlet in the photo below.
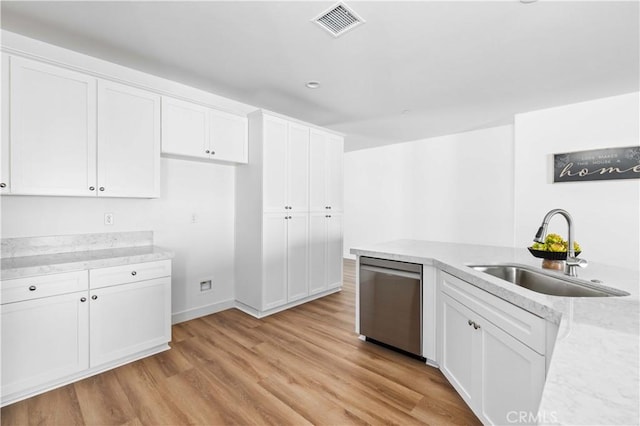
(205, 285)
(108, 218)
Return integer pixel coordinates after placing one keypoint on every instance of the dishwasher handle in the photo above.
(394, 272)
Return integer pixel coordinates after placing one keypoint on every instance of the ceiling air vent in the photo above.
(338, 19)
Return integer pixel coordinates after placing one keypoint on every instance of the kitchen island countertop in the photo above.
(593, 376)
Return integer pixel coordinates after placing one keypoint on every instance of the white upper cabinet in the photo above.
(228, 137)
(73, 134)
(128, 141)
(193, 130)
(286, 172)
(325, 171)
(185, 128)
(52, 130)
(5, 181)
(274, 165)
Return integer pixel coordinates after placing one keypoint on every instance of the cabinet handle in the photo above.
(92, 188)
(3, 185)
(134, 273)
(476, 326)
(32, 288)
(94, 297)
(83, 299)
(207, 151)
(102, 188)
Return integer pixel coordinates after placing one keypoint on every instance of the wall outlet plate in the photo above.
(108, 218)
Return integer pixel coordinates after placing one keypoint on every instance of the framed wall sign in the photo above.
(597, 164)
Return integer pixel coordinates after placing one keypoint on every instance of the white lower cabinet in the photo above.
(285, 261)
(495, 373)
(127, 319)
(325, 251)
(44, 340)
(57, 328)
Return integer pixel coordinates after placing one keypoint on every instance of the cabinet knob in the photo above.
(207, 151)
(329, 207)
(83, 299)
(32, 288)
(92, 188)
(94, 297)
(134, 273)
(476, 326)
(3, 185)
(470, 322)
(102, 188)
(213, 153)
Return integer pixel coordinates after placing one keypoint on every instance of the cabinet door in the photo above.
(52, 130)
(274, 258)
(43, 340)
(456, 343)
(298, 167)
(297, 256)
(317, 171)
(129, 318)
(274, 164)
(128, 141)
(334, 250)
(512, 375)
(228, 140)
(334, 164)
(317, 252)
(5, 181)
(185, 128)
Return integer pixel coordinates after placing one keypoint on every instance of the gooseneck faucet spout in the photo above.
(572, 262)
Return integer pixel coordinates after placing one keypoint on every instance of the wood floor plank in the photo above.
(102, 400)
(304, 365)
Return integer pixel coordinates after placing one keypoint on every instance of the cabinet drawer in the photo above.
(19, 289)
(123, 274)
(522, 325)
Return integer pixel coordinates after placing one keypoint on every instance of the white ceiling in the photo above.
(455, 66)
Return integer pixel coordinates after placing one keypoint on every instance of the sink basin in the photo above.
(547, 283)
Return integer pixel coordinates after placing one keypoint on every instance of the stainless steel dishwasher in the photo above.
(391, 303)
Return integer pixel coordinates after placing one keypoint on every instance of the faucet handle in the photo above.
(574, 261)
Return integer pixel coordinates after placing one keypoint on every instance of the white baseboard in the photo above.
(202, 311)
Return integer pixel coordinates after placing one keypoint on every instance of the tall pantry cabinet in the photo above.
(288, 215)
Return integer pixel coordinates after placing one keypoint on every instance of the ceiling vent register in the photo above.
(338, 19)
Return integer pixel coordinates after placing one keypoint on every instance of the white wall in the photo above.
(455, 188)
(203, 250)
(606, 213)
(494, 186)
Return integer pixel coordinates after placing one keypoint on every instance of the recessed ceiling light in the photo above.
(312, 84)
(528, 1)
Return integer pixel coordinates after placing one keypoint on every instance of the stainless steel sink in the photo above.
(547, 283)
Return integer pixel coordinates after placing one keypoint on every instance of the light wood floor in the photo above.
(302, 366)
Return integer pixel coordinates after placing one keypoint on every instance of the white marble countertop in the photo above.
(26, 266)
(593, 376)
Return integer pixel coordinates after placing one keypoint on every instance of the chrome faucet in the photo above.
(572, 261)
